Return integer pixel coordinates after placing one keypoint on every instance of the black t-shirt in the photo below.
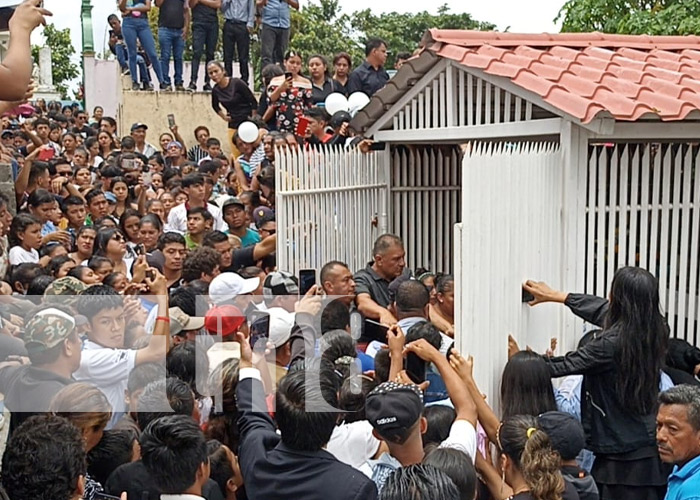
(134, 479)
(201, 14)
(172, 14)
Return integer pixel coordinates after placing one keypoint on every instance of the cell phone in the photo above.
(147, 178)
(375, 331)
(377, 146)
(288, 75)
(46, 154)
(171, 120)
(259, 329)
(415, 368)
(307, 279)
(302, 126)
(150, 274)
(140, 250)
(527, 296)
(104, 496)
(129, 164)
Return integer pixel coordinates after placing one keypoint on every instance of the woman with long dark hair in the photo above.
(621, 371)
(526, 387)
(111, 243)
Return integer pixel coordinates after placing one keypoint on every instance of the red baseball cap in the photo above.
(223, 320)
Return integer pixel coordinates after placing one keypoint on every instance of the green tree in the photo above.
(322, 29)
(403, 31)
(635, 17)
(63, 68)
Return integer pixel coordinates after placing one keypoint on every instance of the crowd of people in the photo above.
(150, 348)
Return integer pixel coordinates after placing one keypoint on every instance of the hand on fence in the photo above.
(513, 347)
(543, 292)
(463, 366)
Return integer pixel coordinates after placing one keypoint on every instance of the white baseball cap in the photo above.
(281, 325)
(227, 286)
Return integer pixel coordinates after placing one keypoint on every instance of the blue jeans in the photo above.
(134, 28)
(120, 49)
(171, 42)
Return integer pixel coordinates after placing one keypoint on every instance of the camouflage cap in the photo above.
(47, 329)
(64, 291)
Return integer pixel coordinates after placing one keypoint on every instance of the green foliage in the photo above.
(64, 70)
(636, 17)
(403, 31)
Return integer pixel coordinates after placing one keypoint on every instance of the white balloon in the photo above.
(357, 101)
(248, 132)
(336, 102)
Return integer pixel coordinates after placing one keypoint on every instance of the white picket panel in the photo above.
(511, 230)
(425, 188)
(652, 220)
(330, 204)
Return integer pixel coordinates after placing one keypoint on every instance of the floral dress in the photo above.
(291, 104)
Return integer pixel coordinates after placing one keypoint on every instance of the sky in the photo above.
(515, 15)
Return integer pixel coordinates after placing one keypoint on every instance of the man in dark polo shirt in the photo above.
(372, 282)
(370, 76)
(53, 347)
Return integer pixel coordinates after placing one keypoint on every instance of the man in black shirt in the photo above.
(370, 76)
(173, 26)
(205, 33)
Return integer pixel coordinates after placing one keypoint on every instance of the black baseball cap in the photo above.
(393, 409)
(565, 433)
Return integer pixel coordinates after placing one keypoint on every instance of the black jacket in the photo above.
(273, 471)
(610, 428)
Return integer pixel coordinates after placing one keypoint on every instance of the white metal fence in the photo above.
(330, 204)
(511, 231)
(426, 184)
(642, 210)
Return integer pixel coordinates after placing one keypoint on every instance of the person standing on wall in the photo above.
(205, 33)
(135, 28)
(173, 27)
(240, 20)
(275, 29)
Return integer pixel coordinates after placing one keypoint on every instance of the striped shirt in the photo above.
(196, 154)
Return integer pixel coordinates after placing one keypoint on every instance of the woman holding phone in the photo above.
(290, 95)
(135, 27)
(231, 99)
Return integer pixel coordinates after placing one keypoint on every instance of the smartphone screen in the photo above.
(46, 154)
(147, 178)
(375, 331)
(171, 120)
(449, 350)
(302, 126)
(307, 279)
(527, 296)
(377, 146)
(259, 329)
(415, 368)
(288, 75)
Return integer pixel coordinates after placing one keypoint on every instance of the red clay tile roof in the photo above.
(583, 74)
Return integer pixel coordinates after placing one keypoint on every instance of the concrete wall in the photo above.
(104, 86)
(153, 108)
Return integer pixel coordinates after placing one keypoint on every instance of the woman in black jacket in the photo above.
(621, 369)
(231, 99)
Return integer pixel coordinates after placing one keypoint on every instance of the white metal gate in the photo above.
(426, 184)
(330, 204)
(642, 210)
(511, 230)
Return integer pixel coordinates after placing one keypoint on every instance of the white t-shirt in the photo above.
(19, 255)
(177, 219)
(353, 443)
(107, 369)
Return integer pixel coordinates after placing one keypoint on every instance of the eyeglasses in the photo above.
(269, 231)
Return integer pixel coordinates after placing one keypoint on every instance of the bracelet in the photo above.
(163, 318)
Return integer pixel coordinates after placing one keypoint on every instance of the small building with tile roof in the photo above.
(556, 157)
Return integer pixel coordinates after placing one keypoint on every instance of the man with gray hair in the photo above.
(678, 440)
(372, 282)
